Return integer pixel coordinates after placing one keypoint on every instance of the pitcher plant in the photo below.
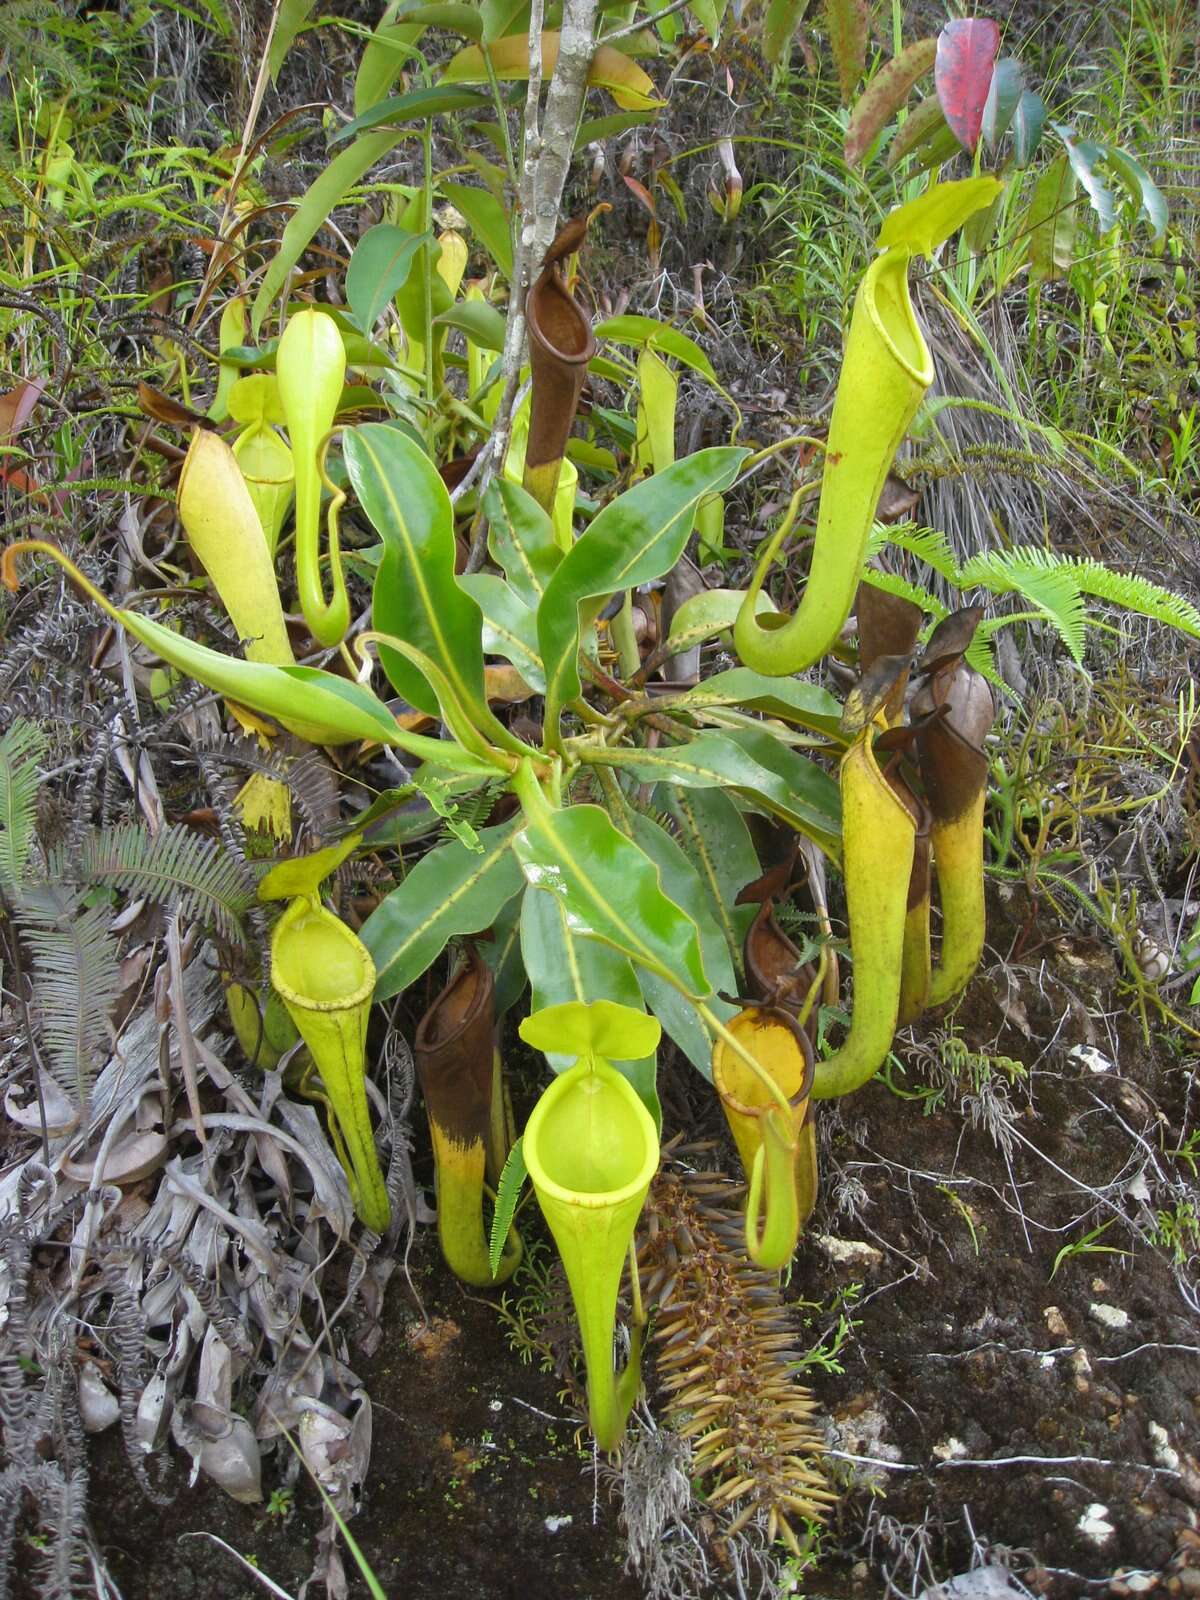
(591, 1149)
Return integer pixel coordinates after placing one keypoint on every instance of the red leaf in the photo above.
(962, 73)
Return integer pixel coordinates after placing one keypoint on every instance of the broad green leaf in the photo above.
(789, 786)
(780, 21)
(610, 69)
(1085, 157)
(1004, 95)
(709, 14)
(452, 17)
(481, 323)
(521, 539)
(682, 882)
(642, 331)
(502, 17)
(487, 220)
(509, 626)
(884, 95)
(600, 128)
(791, 699)
(417, 597)
(712, 612)
(608, 887)
(384, 56)
(591, 1028)
(293, 14)
(714, 836)
(1140, 186)
(923, 224)
(564, 964)
(508, 1192)
(380, 264)
(418, 105)
(502, 952)
(451, 890)
(323, 195)
(658, 392)
(813, 802)
(634, 539)
(1051, 224)
(1028, 121)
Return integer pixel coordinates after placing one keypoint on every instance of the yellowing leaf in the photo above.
(625, 81)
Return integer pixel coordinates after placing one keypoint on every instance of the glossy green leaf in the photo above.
(509, 626)
(792, 699)
(323, 195)
(481, 323)
(384, 57)
(446, 14)
(418, 105)
(450, 891)
(380, 265)
(780, 21)
(608, 887)
(502, 953)
(502, 17)
(682, 882)
(714, 837)
(600, 128)
(1028, 121)
(293, 14)
(1140, 186)
(813, 803)
(709, 614)
(417, 597)
(521, 539)
(1085, 158)
(635, 538)
(668, 341)
(487, 220)
(923, 123)
(564, 964)
(1004, 95)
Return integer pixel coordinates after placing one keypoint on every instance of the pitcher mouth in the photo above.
(334, 933)
(886, 288)
(597, 1199)
(795, 1100)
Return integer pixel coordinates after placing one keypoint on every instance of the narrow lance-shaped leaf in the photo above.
(847, 21)
(884, 95)
(609, 69)
(380, 264)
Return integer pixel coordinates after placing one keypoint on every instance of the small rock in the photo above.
(554, 1524)
(854, 1253)
(950, 1449)
(1164, 1454)
(1108, 1316)
(1081, 1364)
(1189, 1580)
(1094, 1524)
(1056, 1323)
(860, 1572)
(1091, 1058)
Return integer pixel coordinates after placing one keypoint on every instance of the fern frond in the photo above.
(76, 981)
(1047, 581)
(175, 866)
(21, 749)
(929, 545)
(981, 653)
(1136, 594)
(891, 584)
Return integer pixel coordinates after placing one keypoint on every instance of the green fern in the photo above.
(175, 866)
(891, 584)
(76, 981)
(929, 545)
(1045, 580)
(21, 749)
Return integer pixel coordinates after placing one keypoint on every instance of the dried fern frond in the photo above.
(175, 866)
(724, 1345)
(76, 981)
(21, 749)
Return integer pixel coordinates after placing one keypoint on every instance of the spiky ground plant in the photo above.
(725, 1348)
